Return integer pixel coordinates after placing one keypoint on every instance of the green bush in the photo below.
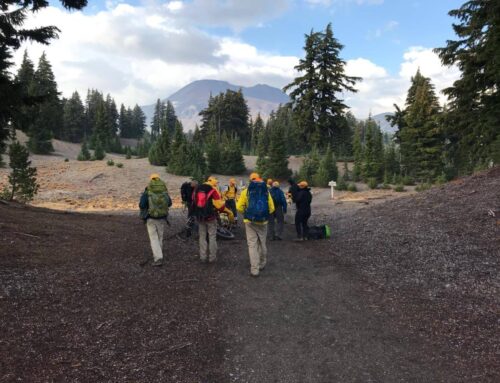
(110, 163)
(408, 181)
(423, 186)
(341, 184)
(352, 188)
(372, 183)
(440, 180)
(399, 188)
(119, 165)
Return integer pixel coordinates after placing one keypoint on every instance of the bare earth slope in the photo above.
(405, 291)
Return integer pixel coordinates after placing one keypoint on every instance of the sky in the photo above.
(142, 50)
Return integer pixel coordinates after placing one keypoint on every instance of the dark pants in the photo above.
(301, 218)
(231, 205)
(275, 229)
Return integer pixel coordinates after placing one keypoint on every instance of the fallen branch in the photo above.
(26, 234)
(95, 177)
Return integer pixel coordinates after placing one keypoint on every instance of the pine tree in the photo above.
(179, 158)
(138, 122)
(472, 120)
(213, 150)
(74, 119)
(112, 117)
(156, 122)
(170, 118)
(232, 161)
(257, 127)
(124, 123)
(277, 161)
(100, 130)
(314, 94)
(14, 33)
(327, 170)
(310, 166)
(159, 153)
(262, 151)
(84, 154)
(373, 152)
(22, 178)
(25, 81)
(358, 155)
(99, 152)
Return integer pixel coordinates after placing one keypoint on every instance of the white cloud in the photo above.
(379, 90)
(139, 54)
(327, 3)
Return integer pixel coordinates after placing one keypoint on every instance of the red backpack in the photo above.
(202, 202)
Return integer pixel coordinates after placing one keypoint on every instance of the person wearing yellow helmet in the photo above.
(154, 205)
(256, 204)
(277, 219)
(231, 196)
(302, 199)
(207, 202)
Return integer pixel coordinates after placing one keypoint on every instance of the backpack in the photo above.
(319, 232)
(158, 199)
(202, 202)
(258, 202)
(186, 191)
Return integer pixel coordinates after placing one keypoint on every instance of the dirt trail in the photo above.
(399, 294)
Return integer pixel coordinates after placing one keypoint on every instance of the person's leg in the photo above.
(298, 224)
(253, 242)
(202, 239)
(270, 227)
(261, 231)
(154, 239)
(212, 240)
(305, 227)
(160, 227)
(280, 219)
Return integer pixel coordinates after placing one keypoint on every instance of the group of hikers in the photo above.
(263, 206)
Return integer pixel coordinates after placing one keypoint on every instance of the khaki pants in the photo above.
(257, 250)
(209, 227)
(156, 228)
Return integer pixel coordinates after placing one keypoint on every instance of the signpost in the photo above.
(332, 184)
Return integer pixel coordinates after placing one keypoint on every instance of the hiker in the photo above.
(292, 190)
(255, 203)
(207, 202)
(302, 199)
(269, 183)
(280, 205)
(154, 204)
(230, 198)
(187, 190)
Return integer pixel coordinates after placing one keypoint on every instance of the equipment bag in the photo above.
(319, 232)
(158, 199)
(258, 202)
(203, 206)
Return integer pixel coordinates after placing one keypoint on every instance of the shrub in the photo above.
(440, 180)
(110, 163)
(22, 178)
(119, 165)
(399, 188)
(84, 154)
(408, 181)
(372, 183)
(341, 184)
(128, 153)
(352, 187)
(423, 187)
(99, 152)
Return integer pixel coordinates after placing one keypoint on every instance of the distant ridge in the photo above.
(192, 98)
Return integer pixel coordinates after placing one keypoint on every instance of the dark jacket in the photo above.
(278, 198)
(303, 199)
(294, 188)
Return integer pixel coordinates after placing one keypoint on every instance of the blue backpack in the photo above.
(258, 202)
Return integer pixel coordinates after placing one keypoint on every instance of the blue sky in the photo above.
(141, 50)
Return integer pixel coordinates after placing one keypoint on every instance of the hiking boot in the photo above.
(203, 260)
(262, 267)
(212, 260)
(158, 262)
(254, 274)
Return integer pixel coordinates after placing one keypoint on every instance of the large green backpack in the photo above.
(158, 199)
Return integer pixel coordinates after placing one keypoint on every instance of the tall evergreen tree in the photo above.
(277, 161)
(320, 112)
(14, 32)
(327, 169)
(158, 116)
(138, 122)
(25, 79)
(170, 118)
(262, 151)
(74, 119)
(357, 147)
(257, 127)
(473, 118)
(124, 123)
(373, 152)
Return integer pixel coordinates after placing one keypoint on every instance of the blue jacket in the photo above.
(278, 198)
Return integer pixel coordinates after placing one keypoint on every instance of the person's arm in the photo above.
(217, 201)
(143, 202)
(242, 203)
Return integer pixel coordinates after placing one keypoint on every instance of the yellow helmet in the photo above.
(254, 176)
(154, 176)
(303, 184)
(212, 181)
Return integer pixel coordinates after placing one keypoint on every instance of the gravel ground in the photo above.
(405, 291)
